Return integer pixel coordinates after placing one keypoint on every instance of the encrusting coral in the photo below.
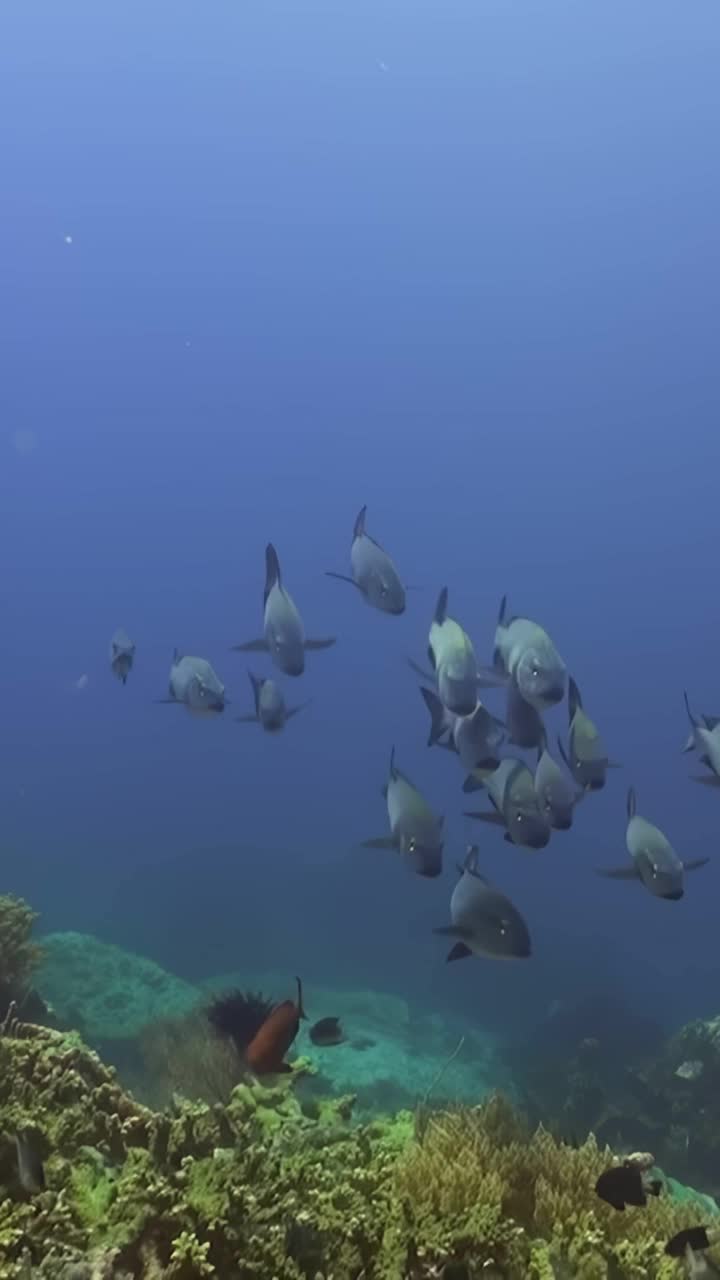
(267, 1187)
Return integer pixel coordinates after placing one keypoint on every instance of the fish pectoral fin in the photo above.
(695, 863)
(473, 783)
(160, 702)
(459, 952)
(294, 711)
(492, 677)
(707, 779)
(690, 743)
(617, 873)
(312, 646)
(341, 577)
(248, 719)
(420, 671)
(251, 646)
(613, 764)
(483, 815)
(379, 842)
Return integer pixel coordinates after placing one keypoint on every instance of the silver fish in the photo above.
(271, 710)
(476, 738)
(484, 921)
(705, 738)
(194, 684)
(654, 861)
(373, 572)
(122, 655)
(555, 792)
(511, 789)
(586, 757)
(452, 656)
(525, 654)
(415, 831)
(284, 634)
(30, 1166)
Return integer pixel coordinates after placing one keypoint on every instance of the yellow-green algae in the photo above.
(260, 1189)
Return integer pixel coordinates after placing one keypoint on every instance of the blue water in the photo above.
(458, 263)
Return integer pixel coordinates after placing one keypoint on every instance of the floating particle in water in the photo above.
(383, 65)
(82, 682)
(68, 239)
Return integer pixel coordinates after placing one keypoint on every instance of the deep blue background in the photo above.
(458, 262)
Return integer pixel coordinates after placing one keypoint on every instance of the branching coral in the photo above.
(265, 1188)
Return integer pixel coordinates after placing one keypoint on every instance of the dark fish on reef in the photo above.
(525, 654)
(238, 1016)
(415, 831)
(30, 1166)
(451, 653)
(626, 1184)
(511, 788)
(266, 1052)
(697, 1238)
(586, 757)
(705, 738)
(122, 655)
(284, 633)
(194, 684)
(484, 921)
(556, 794)
(373, 572)
(326, 1032)
(271, 711)
(654, 861)
(476, 738)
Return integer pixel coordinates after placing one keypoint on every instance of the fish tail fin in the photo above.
(301, 1011)
(437, 715)
(359, 526)
(441, 607)
(574, 698)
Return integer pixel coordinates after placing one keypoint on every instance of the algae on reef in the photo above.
(259, 1188)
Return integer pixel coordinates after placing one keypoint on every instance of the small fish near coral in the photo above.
(261, 1032)
(628, 1183)
(327, 1032)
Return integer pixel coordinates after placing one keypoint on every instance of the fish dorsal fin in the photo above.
(691, 717)
(574, 699)
(631, 802)
(272, 570)
(177, 656)
(359, 526)
(301, 1011)
(392, 770)
(501, 611)
(441, 607)
(257, 683)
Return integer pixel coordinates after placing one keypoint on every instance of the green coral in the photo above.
(19, 955)
(272, 1186)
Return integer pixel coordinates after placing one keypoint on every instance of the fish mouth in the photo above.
(562, 824)
(217, 707)
(673, 895)
(596, 784)
(538, 840)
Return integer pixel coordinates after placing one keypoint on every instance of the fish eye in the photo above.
(518, 817)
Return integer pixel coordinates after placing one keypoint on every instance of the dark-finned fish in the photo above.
(194, 684)
(476, 738)
(453, 660)
(705, 738)
(511, 788)
(373, 572)
(484, 921)
(556, 794)
(586, 757)
(271, 711)
(654, 861)
(626, 1184)
(524, 723)
(525, 654)
(415, 831)
(284, 633)
(122, 655)
(698, 1238)
(327, 1032)
(266, 1052)
(30, 1165)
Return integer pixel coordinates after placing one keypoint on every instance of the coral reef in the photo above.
(270, 1187)
(19, 955)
